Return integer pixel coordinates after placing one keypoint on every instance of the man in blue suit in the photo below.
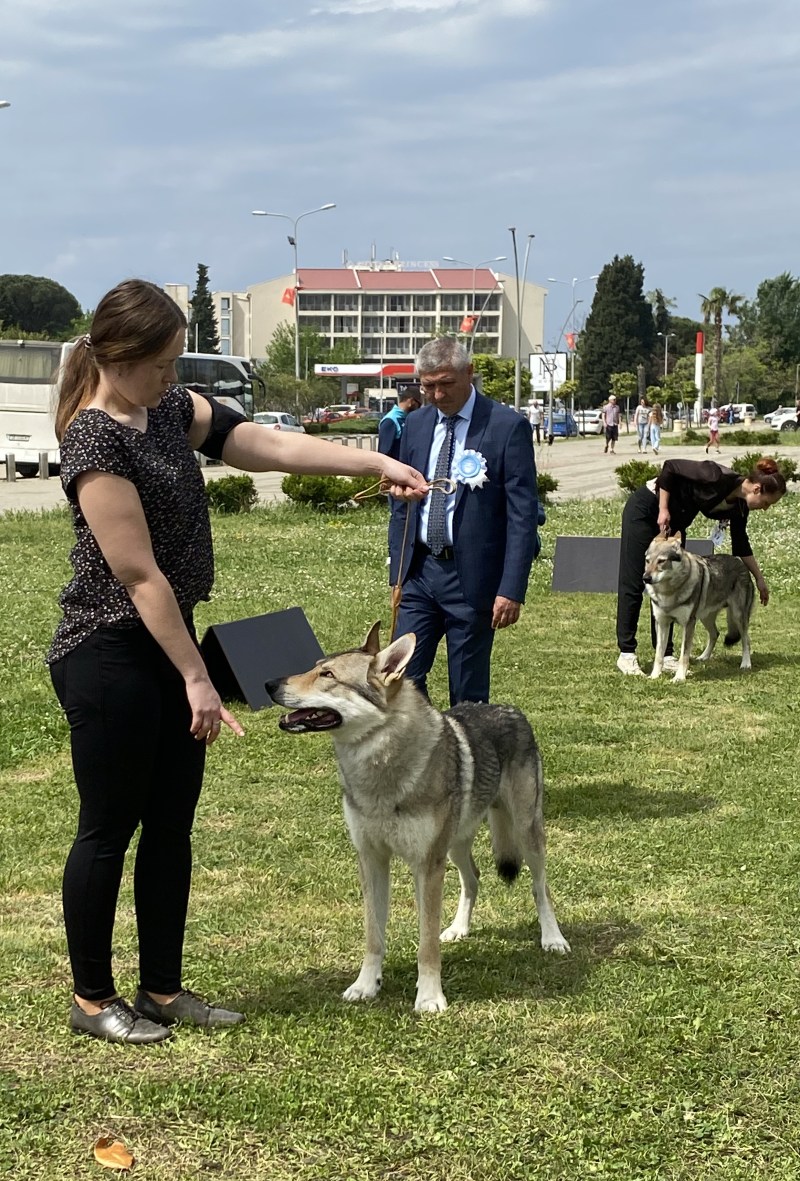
(464, 570)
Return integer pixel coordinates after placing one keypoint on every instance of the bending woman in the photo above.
(125, 662)
(669, 504)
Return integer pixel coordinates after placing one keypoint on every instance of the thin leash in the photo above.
(445, 485)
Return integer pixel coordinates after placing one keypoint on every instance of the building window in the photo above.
(424, 303)
(225, 304)
(225, 326)
(318, 323)
(372, 303)
(398, 303)
(451, 323)
(397, 346)
(490, 324)
(453, 302)
(347, 324)
(372, 324)
(492, 303)
(398, 323)
(225, 348)
(310, 301)
(424, 323)
(371, 346)
(419, 341)
(346, 303)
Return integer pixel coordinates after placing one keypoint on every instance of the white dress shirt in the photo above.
(463, 419)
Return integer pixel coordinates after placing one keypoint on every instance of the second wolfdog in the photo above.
(417, 784)
(684, 588)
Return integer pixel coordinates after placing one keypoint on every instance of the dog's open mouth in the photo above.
(299, 721)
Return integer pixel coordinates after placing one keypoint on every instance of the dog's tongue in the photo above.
(299, 721)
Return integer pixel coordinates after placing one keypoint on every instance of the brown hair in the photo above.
(132, 322)
(767, 475)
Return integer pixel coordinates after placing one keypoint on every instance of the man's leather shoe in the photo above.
(187, 1006)
(117, 1022)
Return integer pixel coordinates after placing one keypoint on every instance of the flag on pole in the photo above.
(468, 323)
(289, 295)
(570, 338)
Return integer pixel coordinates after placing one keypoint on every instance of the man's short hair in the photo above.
(447, 352)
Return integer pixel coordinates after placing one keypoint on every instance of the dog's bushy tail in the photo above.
(734, 632)
(507, 856)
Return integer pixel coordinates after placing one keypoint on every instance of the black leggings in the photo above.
(639, 527)
(135, 762)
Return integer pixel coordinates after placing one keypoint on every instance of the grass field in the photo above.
(665, 1046)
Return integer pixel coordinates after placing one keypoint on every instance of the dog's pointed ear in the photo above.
(372, 644)
(393, 661)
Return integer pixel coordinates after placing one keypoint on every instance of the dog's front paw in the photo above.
(655, 674)
(362, 990)
(430, 1002)
(679, 678)
(453, 933)
(556, 943)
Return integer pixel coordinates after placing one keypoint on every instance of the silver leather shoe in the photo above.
(187, 1006)
(118, 1022)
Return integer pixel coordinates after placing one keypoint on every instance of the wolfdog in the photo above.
(417, 784)
(684, 588)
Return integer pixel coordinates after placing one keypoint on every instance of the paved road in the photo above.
(579, 465)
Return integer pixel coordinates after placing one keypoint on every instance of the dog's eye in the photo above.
(326, 672)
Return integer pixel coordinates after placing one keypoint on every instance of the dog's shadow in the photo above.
(495, 963)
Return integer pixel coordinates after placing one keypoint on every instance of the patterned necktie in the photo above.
(436, 516)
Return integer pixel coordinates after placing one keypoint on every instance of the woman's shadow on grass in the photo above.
(604, 798)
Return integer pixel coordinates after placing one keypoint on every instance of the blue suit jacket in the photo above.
(495, 538)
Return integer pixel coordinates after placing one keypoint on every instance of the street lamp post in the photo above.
(474, 267)
(666, 336)
(573, 283)
(520, 303)
(293, 243)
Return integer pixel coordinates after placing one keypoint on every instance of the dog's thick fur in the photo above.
(417, 784)
(684, 588)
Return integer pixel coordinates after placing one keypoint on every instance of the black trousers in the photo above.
(639, 527)
(135, 762)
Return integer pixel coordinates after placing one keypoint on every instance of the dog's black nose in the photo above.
(645, 578)
(272, 687)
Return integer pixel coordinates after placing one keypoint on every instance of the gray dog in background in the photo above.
(417, 784)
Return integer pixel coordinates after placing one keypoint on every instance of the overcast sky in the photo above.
(143, 132)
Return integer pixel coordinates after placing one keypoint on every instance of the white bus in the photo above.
(28, 390)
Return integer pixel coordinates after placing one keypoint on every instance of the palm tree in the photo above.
(714, 305)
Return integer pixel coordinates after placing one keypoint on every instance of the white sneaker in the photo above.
(629, 665)
(670, 664)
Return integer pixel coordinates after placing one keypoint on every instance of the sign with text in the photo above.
(542, 365)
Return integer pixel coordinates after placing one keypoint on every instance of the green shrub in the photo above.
(328, 492)
(742, 438)
(636, 472)
(545, 484)
(354, 426)
(316, 428)
(744, 464)
(232, 494)
(692, 436)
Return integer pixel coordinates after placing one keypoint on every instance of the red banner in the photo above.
(570, 339)
(288, 295)
(468, 323)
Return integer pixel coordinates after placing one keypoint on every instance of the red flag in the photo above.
(570, 338)
(468, 323)
(288, 295)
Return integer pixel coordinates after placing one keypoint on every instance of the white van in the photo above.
(28, 369)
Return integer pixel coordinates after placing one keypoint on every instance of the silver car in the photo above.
(279, 420)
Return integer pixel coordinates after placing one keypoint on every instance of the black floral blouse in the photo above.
(161, 465)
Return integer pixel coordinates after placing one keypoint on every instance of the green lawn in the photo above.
(665, 1046)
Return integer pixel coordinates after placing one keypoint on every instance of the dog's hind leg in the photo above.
(710, 624)
(429, 882)
(533, 851)
(461, 856)
(374, 872)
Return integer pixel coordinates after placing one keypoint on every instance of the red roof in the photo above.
(348, 279)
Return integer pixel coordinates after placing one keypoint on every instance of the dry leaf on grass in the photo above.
(112, 1154)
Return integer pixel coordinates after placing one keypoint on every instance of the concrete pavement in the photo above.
(582, 469)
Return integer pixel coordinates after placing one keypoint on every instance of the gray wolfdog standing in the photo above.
(684, 588)
(417, 784)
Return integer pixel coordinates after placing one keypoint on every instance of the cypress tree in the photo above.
(203, 336)
(620, 333)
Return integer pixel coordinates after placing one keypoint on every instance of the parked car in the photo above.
(741, 410)
(772, 413)
(589, 422)
(279, 420)
(783, 420)
(564, 425)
